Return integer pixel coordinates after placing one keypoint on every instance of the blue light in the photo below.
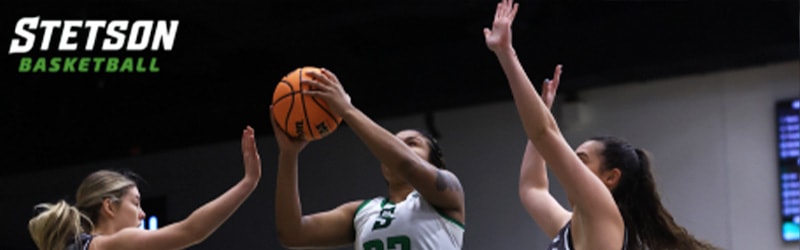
(791, 231)
(796, 104)
(152, 223)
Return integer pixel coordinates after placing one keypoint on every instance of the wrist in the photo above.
(349, 112)
(288, 154)
(505, 51)
(251, 182)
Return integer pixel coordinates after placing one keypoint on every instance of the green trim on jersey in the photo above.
(454, 221)
(363, 204)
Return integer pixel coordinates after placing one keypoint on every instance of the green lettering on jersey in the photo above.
(400, 242)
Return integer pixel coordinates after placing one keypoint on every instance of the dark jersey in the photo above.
(82, 243)
(563, 240)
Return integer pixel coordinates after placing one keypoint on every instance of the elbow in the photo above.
(198, 236)
(523, 192)
(289, 239)
(285, 240)
(289, 242)
(193, 234)
(529, 191)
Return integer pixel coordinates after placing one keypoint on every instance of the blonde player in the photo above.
(108, 211)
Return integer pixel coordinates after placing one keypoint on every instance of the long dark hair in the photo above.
(649, 224)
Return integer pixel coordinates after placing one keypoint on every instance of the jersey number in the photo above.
(401, 242)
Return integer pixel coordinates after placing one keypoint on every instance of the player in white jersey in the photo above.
(411, 224)
(424, 208)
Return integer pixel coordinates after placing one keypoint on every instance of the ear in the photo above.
(108, 207)
(611, 177)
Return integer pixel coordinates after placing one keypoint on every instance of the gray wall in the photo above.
(712, 137)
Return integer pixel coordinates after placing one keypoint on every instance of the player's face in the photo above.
(130, 213)
(414, 140)
(417, 142)
(590, 153)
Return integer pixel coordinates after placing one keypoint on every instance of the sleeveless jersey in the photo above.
(411, 224)
(563, 240)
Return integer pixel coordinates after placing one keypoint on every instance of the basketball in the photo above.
(301, 116)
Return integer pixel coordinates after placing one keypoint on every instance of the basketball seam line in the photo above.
(326, 110)
(291, 107)
(303, 101)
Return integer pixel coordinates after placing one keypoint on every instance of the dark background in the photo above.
(393, 57)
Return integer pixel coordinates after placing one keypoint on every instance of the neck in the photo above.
(102, 228)
(398, 192)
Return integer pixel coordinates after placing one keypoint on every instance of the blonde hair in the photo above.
(60, 224)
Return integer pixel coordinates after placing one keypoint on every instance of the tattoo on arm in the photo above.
(445, 181)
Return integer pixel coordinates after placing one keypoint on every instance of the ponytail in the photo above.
(57, 225)
(649, 224)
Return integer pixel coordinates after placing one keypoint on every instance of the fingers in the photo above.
(557, 77)
(330, 75)
(506, 8)
(514, 11)
(250, 133)
(498, 11)
(486, 33)
(318, 77)
(547, 89)
(247, 133)
(248, 141)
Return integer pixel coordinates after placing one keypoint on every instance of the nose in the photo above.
(141, 214)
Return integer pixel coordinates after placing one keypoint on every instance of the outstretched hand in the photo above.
(549, 87)
(252, 160)
(326, 85)
(285, 143)
(499, 36)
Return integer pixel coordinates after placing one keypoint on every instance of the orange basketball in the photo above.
(300, 115)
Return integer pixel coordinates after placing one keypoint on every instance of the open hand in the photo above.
(499, 36)
(252, 160)
(549, 87)
(326, 85)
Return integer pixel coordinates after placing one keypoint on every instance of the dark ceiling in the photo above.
(393, 57)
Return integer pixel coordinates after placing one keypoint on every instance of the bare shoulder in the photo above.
(352, 206)
(446, 180)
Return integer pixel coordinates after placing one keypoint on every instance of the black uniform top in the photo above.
(82, 243)
(563, 240)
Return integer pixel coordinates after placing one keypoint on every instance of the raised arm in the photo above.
(534, 189)
(593, 201)
(325, 229)
(200, 223)
(439, 187)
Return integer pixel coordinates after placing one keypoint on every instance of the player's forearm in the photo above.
(533, 173)
(389, 150)
(288, 210)
(206, 219)
(535, 116)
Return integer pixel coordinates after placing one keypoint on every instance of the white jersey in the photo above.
(412, 224)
